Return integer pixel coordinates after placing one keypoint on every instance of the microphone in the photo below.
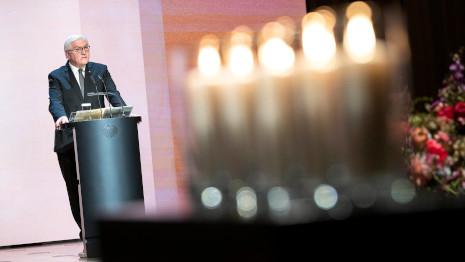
(106, 91)
(96, 90)
(105, 87)
(106, 94)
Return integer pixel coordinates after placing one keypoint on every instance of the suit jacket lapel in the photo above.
(72, 80)
(88, 69)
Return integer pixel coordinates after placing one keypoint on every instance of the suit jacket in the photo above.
(65, 96)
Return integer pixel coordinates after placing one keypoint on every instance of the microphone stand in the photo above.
(106, 94)
(106, 91)
(96, 90)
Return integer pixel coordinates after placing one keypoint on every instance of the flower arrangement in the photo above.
(435, 141)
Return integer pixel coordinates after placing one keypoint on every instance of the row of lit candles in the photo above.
(278, 107)
(364, 56)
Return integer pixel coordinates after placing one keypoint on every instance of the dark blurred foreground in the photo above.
(418, 235)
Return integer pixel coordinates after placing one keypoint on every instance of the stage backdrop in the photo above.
(143, 42)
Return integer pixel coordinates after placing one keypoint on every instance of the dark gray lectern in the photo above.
(109, 172)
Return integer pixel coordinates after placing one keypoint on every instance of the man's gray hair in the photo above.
(73, 38)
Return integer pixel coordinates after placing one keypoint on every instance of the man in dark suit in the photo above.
(68, 88)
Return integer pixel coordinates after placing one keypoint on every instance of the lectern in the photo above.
(109, 172)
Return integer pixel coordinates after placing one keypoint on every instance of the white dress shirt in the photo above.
(76, 72)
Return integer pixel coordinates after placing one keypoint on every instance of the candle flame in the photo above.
(329, 15)
(288, 24)
(277, 56)
(209, 61)
(358, 7)
(318, 41)
(241, 59)
(275, 53)
(359, 38)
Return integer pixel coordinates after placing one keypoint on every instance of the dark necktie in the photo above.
(81, 81)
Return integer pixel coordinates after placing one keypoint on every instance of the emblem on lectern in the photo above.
(110, 131)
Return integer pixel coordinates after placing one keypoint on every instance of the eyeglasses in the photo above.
(79, 50)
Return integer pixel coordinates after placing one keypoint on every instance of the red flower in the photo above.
(460, 109)
(436, 148)
(447, 112)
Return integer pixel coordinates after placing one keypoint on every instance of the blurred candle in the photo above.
(366, 90)
(240, 65)
(235, 101)
(318, 41)
(276, 59)
(316, 96)
(200, 81)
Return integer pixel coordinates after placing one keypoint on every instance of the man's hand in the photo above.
(61, 120)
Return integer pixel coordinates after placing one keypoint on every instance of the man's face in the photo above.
(81, 57)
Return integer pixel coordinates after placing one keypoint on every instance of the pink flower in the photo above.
(461, 120)
(419, 172)
(442, 137)
(438, 106)
(436, 148)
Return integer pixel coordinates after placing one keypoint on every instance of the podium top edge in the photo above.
(73, 124)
